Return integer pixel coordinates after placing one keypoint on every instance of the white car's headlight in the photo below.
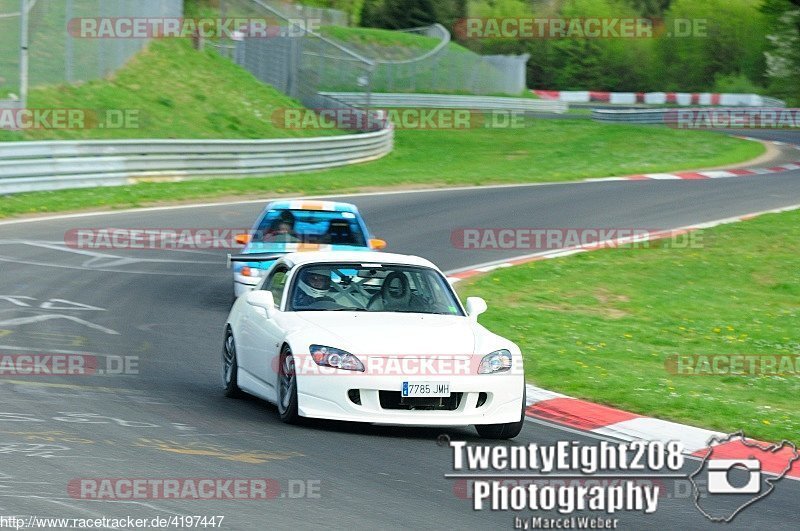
(336, 358)
(497, 361)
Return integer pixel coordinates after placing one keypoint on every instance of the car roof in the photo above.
(305, 204)
(359, 257)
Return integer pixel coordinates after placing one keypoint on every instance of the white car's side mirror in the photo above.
(262, 299)
(475, 307)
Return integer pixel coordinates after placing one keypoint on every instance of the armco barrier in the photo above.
(446, 101)
(660, 98)
(32, 166)
(639, 116)
(680, 116)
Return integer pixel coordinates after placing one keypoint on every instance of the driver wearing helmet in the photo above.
(313, 287)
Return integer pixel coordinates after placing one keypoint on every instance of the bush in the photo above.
(736, 83)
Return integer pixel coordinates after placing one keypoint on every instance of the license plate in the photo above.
(421, 389)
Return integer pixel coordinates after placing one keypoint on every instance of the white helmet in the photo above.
(314, 284)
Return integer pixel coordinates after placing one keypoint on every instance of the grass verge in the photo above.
(542, 151)
(601, 325)
(177, 93)
(369, 40)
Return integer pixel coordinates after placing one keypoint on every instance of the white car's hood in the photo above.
(388, 334)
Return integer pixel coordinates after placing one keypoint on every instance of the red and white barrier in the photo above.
(655, 98)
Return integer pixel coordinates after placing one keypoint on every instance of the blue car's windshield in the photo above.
(310, 227)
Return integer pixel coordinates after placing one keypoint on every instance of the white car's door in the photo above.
(261, 336)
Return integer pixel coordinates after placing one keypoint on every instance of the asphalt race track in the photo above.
(171, 420)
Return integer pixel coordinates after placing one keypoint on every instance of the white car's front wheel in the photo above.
(287, 388)
(230, 367)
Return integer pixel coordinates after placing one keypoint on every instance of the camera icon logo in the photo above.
(720, 471)
(736, 472)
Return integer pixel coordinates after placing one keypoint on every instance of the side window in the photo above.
(276, 283)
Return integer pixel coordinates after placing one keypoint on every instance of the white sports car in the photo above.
(371, 337)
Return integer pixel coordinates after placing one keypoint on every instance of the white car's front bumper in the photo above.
(326, 396)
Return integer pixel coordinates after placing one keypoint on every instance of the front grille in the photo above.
(395, 400)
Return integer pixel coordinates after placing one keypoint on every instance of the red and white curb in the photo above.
(461, 274)
(708, 174)
(606, 421)
(712, 174)
(715, 174)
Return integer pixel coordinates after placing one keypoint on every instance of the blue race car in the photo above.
(295, 226)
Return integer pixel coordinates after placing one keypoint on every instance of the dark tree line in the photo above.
(402, 14)
(740, 45)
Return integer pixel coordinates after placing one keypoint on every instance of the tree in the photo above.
(605, 63)
(398, 14)
(651, 8)
(783, 51)
(372, 14)
(731, 40)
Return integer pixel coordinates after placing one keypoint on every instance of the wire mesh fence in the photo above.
(58, 53)
(288, 10)
(453, 70)
(294, 58)
(9, 48)
(437, 65)
(339, 60)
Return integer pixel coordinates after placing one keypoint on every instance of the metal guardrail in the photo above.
(11, 104)
(639, 116)
(678, 116)
(34, 166)
(446, 101)
(768, 101)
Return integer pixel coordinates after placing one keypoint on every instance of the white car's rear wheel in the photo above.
(230, 367)
(287, 388)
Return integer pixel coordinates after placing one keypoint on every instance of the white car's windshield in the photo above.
(371, 288)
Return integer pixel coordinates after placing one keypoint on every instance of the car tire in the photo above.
(230, 367)
(287, 388)
(503, 431)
